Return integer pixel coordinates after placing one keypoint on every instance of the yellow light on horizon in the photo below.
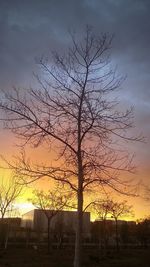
(24, 207)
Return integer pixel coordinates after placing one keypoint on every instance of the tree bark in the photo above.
(48, 232)
(104, 237)
(78, 243)
(117, 237)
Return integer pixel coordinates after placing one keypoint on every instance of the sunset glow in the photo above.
(130, 50)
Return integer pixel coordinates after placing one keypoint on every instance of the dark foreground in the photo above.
(21, 257)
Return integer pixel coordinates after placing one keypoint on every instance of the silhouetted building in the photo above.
(66, 220)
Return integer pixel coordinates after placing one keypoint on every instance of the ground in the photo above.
(30, 257)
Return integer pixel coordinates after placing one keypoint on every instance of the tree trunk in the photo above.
(104, 237)
(7, 235)
(117, 237)
(48, 233)
(78, 243)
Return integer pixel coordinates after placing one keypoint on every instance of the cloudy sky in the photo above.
(31, 28)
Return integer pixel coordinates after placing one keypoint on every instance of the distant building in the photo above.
(66, 220)
(119, 222)
(105, 231)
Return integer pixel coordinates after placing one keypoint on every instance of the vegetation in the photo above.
(51, 203)
(134, 241)
(75, 112)
(10, 190)
(29, 257)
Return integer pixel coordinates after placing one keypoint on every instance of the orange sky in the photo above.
(25, 23)
(8, 149)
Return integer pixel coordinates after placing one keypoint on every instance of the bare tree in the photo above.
(102, 210)
(10, 190)
(143, 231)
(117, 211)
(51, 203)
(109, 208)
(74, 112)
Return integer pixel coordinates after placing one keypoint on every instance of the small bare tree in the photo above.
(76, 113)
(10, 190)
(51, 203)
(117, 211)
(102, 210)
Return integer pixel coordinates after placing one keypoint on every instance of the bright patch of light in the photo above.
(24, 207)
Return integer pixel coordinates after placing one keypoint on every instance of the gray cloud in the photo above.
(32, 27)
(29, 28)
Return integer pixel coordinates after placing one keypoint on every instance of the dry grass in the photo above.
(21, 257)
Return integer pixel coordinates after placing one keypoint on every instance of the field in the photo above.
(29, 257)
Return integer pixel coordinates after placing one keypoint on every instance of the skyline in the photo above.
(28, 32)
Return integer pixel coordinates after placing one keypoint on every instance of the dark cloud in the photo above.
(29, 28)
(32, 27)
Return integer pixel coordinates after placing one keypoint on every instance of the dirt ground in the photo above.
(21, 257)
